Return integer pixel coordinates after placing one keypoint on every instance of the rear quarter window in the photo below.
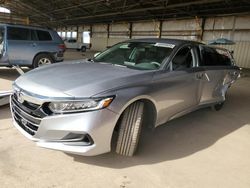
(215, 57)
(43, 35)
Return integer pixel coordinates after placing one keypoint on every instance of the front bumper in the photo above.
(52, 130)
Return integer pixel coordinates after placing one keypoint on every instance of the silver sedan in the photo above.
(76, 107)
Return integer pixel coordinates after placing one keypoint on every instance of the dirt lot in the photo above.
(203, 149)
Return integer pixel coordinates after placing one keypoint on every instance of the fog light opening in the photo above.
(77, 139)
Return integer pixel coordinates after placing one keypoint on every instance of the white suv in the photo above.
(73, 44)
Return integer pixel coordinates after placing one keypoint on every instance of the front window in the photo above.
(137, 55)
(16, 33)
(183, 59)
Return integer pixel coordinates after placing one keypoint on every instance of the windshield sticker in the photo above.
(124, 46)
(165, 45)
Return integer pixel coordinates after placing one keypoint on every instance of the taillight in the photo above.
(62, 47)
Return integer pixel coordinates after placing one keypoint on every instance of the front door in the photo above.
(178, 88)
(22, 45)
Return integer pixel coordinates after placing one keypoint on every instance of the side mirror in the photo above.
(96, 54)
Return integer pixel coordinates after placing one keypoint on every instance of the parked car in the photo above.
(29, 46)
(4, 97)
(143, 82)
(73, 44)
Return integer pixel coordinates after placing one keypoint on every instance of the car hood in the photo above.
(78, 79)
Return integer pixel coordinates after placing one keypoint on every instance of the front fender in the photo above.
(126, 96)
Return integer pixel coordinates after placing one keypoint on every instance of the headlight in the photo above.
(79, 106)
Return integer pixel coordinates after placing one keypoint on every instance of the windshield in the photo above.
(137, 55)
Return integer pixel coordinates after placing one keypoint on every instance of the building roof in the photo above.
(57, 13)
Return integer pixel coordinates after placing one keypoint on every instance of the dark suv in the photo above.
(29, 46)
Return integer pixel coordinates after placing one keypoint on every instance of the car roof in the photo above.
(25, 26)
(175, 42)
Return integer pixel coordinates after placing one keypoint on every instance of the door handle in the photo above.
(34, 44)
(207, 77)
(202, 76)
(199, 76)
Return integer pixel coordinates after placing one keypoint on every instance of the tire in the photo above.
(42, 59)
(218, 106)
(130, 129)
(83, 49)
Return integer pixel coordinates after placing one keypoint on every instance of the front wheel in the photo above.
(130, 128)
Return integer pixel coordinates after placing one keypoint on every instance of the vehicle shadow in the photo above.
(5, 112)
(8, 74)
(183, 136)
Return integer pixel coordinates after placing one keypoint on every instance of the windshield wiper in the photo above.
(119, 65)
(90, 60)
(113, 64)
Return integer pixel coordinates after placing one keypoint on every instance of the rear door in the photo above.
(217, 75)
(45, 42)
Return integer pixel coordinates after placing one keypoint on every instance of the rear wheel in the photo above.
(130, 128)
(42, 59)
(83, 49)
(218, 106)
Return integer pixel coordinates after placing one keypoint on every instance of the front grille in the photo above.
(27, 115)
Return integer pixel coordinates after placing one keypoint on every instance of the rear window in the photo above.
(15, 33)
(215, 57)
(43, 35)
(71, 40)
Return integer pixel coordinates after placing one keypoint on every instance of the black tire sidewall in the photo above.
(218, 106)
(83, 49)
(40, 56)
(131, 128)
